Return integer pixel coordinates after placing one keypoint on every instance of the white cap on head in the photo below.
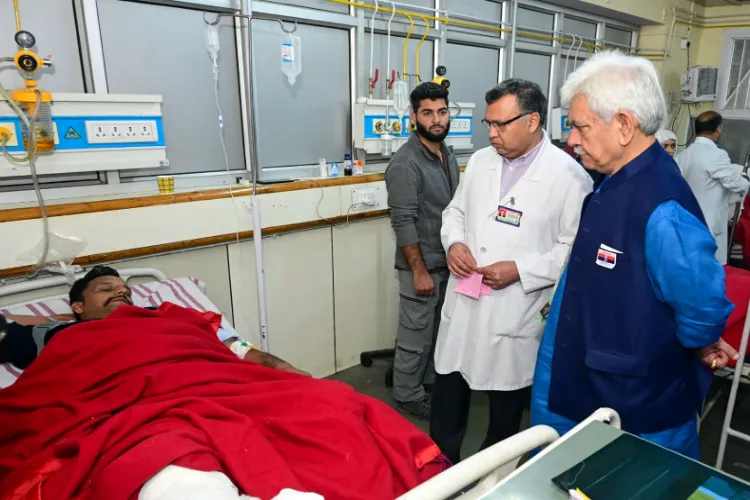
(612, 82)
(664, 135)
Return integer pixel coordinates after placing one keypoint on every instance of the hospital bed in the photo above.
(186, 292)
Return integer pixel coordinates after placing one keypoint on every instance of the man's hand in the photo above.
(500, 274)
(718, 355)
(424, 285)
(460, 261)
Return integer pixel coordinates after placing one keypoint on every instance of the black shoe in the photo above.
(419, 408)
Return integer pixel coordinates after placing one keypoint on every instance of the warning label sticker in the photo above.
(72, 134)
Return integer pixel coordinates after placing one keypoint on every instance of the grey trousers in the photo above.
(418, 323)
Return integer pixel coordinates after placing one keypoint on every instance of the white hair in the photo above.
(614, 82)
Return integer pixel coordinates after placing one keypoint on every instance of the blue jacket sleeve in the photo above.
(684, 273)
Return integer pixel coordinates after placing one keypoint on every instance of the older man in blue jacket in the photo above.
(640, 308)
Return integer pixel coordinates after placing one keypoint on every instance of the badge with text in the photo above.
(508, 216)
(607, 256)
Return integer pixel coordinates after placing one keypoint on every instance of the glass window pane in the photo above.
(622, 38)
(586, 29)
(474, 71)
(737, 51)
(742, 94)
(535, 22)
(317, 4)
(734, 75)
(731, 98)
(132, 35)
(533, 67)
(481, 9)
(745, 58)
(313, 114)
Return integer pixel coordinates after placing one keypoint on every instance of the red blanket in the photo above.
(742, 233)
(738, 291)
(110, 403)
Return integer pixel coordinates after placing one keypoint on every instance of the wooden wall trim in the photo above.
(198, 243)
(20, 214)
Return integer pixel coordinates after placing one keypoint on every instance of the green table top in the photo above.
(630, 468)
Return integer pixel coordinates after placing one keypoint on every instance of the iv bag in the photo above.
(401, 98)
(291, 57)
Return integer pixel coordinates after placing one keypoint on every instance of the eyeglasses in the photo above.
(500, 126)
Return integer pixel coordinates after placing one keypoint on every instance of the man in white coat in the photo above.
(715, 182)
(512, 221)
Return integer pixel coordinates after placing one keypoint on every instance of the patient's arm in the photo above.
(265, 359)
(271, 361)
(37, 320)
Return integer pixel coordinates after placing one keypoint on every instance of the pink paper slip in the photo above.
(485, 291)
(471, 286)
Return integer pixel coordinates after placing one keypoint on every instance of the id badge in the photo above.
(509, 216)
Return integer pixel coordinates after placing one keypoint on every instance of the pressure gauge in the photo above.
(25, 39)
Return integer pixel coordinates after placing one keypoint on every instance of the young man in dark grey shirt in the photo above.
(421, 179)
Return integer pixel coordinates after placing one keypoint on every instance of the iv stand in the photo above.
(260, 275)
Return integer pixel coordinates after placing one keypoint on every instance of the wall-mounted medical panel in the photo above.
(93, 132)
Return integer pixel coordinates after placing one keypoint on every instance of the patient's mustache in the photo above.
(122, 298)
(579, 151)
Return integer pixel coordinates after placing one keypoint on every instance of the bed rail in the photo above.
(53, 281)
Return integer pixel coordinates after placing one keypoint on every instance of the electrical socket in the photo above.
(364, 197)
(121, 132)
(461, 125)
(684, 43)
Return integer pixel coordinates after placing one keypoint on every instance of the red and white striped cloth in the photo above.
(186, 292)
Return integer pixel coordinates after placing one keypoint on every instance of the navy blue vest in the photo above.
(616, 343)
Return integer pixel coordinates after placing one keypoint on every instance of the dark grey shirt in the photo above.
(418, 192)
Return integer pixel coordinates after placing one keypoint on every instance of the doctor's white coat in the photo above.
(493, 341)
(715, 183)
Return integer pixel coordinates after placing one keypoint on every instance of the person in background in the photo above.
(509, 227)
(668, 141)
(642, 302)
(94, 297)
(421, 179)
(715, 182)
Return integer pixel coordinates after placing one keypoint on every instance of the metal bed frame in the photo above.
(484, 467)
(741, 375)
(53, 281)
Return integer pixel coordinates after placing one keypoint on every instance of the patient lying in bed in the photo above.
(94, 297)
(127, 396)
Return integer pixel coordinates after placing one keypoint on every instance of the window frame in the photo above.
(90, 45)
(730, 35)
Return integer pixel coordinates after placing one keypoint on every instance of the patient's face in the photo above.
(101, 297)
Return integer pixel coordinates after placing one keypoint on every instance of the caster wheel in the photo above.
(365, 360)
